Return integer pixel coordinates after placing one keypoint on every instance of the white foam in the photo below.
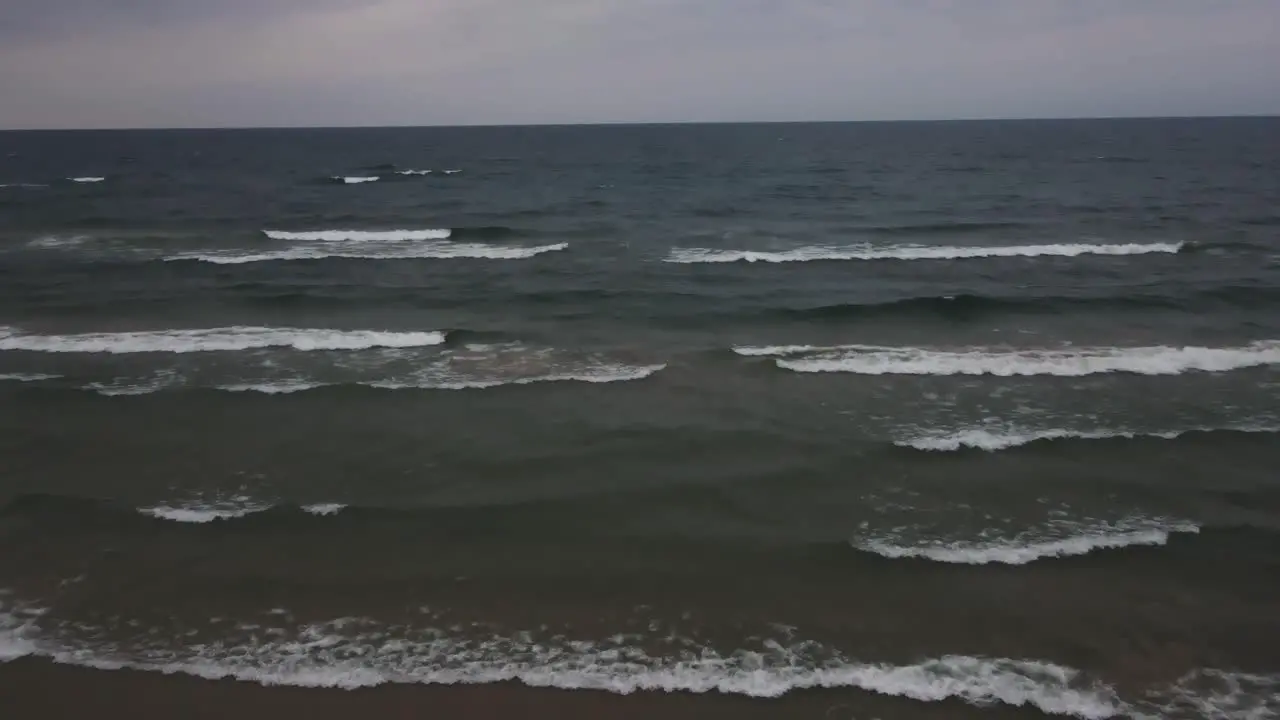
(1211, 694)
(441, 251)
(436, 379)
(87, 179)
(994, 439)
(360, 235)
(356, 180)
(452, 172)
(23, 185)
(1161, 360)
(216, 339)
(914, 252)
(1029, 547)
(413, 172)
(54, 242)
(274, 387)
(27, 377)
(323, 656)
(324, 509)
(201, 512)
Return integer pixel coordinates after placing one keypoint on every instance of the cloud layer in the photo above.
(162, 63)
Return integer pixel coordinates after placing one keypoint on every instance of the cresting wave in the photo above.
(216, 339)
(330, 655)
(879, 360)
(27, 377)
(206, 511)
(914, 252)
(995, 439)
(441, 251)
(430, 378)
(1056, 541)
(355, 179)
(87, 179)
(360, 235)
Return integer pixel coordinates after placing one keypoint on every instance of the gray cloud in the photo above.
(296, 62)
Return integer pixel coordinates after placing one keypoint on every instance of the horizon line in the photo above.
(631, 123)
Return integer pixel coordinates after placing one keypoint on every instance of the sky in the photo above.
(219, 63)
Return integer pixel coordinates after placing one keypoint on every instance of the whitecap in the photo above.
(914, 252)
(413, 172)
(200, 511)
(442, 379)
(360, 235)
(356, 180)
(995, 439)
(1061, 539)
(216, 339)
(273, 387)
(27, 377)
(879, 360)
(56, 242)
(427, 251)
(326, 655)
(87, 179)
(324, 509)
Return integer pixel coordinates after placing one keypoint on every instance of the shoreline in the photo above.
(38, 688)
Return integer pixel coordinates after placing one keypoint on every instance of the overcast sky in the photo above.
(208, 63)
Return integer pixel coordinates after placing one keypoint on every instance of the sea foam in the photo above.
(914, 252)
(879, 360)
(1059, 540)
(216, 339)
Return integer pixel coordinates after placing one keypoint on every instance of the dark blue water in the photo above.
(867, 406)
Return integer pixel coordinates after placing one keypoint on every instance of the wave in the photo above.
(437, 251)
(436, 379)
(26, 377)
(1027, 548)
(216, 339)
(436, 376)
(324, 509)
(87, 179)
(413, 172)
(995, 439)
(600, 374)
(23, 185)
(355, 179)
(200, 512)
(58, 242)
(451, 172)
(945, 228)
(877, 360)
(914, 252)
(335, 236)
(335, 655)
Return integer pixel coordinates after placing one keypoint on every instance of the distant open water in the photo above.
(981, 411)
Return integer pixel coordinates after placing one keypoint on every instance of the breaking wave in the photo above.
(914, 252)
(200, 511)
(425, 251)
(1058, 540)
(995, 439)
(87, 179)
(216, 339)
(338, 654)
(360, 235)
(355, 179)
(878, 360)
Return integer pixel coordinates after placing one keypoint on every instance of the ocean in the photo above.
(850, 420)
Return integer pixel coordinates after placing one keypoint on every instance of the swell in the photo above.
(967, 306)
(567, 518)
(999, 439)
